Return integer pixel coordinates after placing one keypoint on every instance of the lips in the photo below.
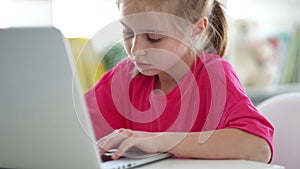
(142, 65)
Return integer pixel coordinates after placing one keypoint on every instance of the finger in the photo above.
(109, 143)
(114, 140)
(102, 151)
(100, 141)
(124, 146)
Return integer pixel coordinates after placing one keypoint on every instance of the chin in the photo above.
(149, 72)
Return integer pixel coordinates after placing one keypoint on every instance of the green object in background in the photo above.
(114, 55)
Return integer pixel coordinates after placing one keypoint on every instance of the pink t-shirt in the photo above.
(209, 97)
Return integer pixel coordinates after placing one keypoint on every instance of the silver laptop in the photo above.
(43, 119)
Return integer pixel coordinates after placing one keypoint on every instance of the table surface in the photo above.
(208, 164)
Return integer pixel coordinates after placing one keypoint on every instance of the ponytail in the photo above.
(218, 30)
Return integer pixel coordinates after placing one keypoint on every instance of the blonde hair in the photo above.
(217, 31)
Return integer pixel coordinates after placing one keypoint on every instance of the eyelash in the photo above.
(130, 34)
(153, 39)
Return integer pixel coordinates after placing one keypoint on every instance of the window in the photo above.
(83, 18)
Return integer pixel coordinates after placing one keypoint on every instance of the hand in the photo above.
(123, 139)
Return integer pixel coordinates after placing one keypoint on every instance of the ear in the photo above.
(200, 26)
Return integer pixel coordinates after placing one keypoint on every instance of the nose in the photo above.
(138, 44)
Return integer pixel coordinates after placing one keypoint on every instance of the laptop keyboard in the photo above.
(107, 157)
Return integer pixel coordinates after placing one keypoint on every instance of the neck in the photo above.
(167, 81)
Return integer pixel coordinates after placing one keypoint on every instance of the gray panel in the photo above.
(37, 114)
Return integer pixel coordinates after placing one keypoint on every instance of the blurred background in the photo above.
(264, 43)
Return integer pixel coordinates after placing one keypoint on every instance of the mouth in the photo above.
(142, 65)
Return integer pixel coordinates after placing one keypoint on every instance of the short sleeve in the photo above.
(240, 112)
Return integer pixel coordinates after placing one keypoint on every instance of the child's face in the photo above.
(151, 40)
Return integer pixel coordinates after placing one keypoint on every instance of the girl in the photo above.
(175, 93)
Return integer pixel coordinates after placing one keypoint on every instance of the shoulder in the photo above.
(213, 61)
(124, 67)
(215, 65)
(216, 75)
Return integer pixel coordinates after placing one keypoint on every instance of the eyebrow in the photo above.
(146, 30)
(122, 23)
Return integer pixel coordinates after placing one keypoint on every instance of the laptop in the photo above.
(44, 121)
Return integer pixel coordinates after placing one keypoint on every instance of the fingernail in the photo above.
(102, 151)
(115, 157)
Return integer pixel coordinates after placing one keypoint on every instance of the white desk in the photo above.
(208, 164)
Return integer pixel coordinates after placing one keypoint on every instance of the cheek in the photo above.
(164, 59)
(173, 56)
(180, 50)
(127, 45)
(176, 50)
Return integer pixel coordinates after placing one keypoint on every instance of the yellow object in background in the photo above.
(89, 66)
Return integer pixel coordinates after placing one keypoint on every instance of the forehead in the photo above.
(148, 16)
(155, 22)
(128, 7)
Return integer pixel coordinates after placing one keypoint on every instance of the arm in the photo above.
(221, 144)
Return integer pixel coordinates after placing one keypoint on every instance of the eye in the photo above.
(154, 37)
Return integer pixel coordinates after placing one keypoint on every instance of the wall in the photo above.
(273, 15)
